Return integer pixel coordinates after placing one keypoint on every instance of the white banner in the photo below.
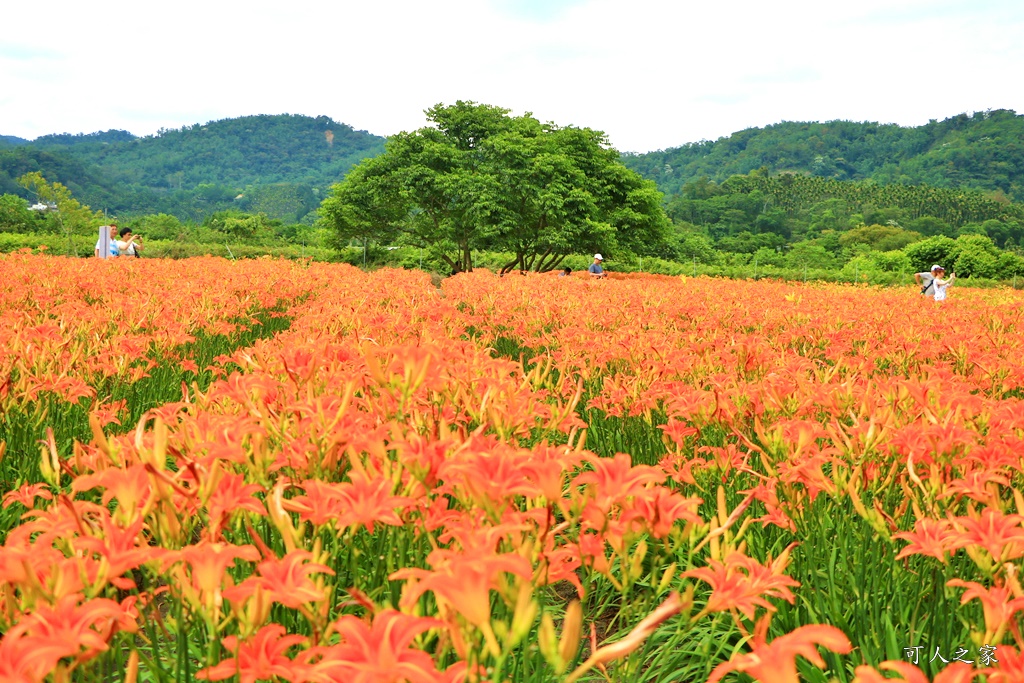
(103, 245)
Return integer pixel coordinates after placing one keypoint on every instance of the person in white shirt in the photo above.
(114, 247)
(129, 244)
(927, 280)
(941, 284)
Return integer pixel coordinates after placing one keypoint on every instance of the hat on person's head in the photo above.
(937, 267)
(599, 257)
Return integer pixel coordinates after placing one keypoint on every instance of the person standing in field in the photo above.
(132, 244)
(595, 268)
(108, 246)
(941, 284)
(927, 280)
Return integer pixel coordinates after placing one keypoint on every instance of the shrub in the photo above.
(927, 252)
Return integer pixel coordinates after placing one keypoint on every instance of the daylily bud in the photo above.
(548, 641)
(637, 564)
(571, 629)
(666, 578)
(523, 617)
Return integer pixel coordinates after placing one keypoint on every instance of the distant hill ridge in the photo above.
(11, 140)
(984, 150)
(238, 151)
(194, 170)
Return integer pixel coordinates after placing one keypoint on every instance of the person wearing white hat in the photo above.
(595, 268)
(926, 281)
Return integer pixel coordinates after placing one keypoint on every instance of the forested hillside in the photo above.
(6, 140)
(277, 164)
(983, 151)
(283, 166)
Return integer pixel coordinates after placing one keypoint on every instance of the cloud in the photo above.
(536, 10)
(22, 52)
(650, 73)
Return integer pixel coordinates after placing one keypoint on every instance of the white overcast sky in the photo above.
(652, 74)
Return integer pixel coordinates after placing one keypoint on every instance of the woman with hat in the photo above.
(926, 281)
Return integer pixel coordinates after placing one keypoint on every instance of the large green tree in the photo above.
(64, 215)
(478, 178)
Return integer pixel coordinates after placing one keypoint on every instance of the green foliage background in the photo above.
(834, 200)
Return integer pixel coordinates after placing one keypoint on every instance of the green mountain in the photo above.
(10, 140)
(280, 164)
(83, 179)
(982, 151)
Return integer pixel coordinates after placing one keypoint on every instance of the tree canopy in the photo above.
(479, 178)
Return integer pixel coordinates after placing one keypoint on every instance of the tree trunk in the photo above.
(542, 264)
(451, 262)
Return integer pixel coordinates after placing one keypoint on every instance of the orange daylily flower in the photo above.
(121, 549)
(999, 534)
(775, 662)
(997, 603)
(26, 494)
(932, 537)
(956, 672)
(1009, 668)
(231, 496)
(131, 487)
(369, 501)
(79, 624)
(28, 659)
(363, 501)
(660, 508)
(381, 653)
(743, 583)
(285, 580)
(261, 657)
(615, 479)
(462, 581)
(209, 561)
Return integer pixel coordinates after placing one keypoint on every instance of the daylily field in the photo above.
(280, 471)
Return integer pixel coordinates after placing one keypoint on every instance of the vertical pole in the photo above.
(695, 266)
(755, 267)
(60, 219)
